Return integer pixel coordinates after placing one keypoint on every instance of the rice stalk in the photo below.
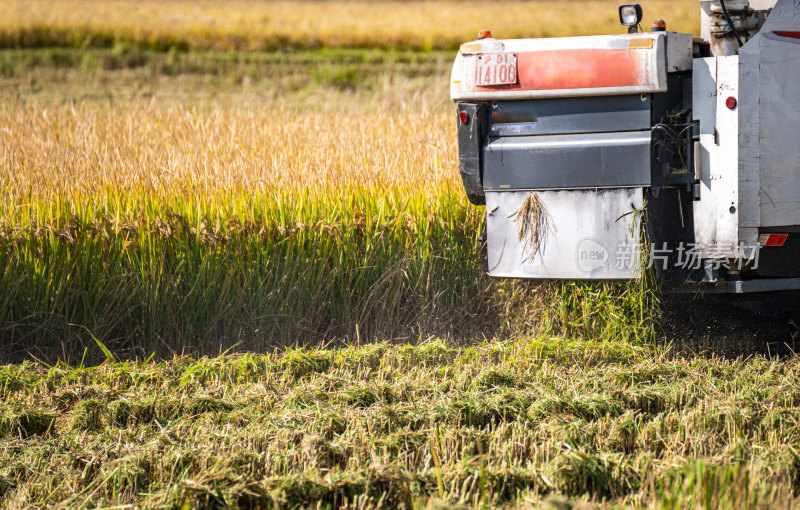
(533, 223)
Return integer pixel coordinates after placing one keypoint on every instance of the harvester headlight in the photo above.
(630, 15)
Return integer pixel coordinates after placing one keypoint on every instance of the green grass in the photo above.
(542, 420)
(125, 74)
(14, 62)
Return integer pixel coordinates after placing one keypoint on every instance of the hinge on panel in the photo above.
(697, 156)
(696, 192)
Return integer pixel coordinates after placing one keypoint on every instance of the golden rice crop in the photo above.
(150, 151)
(255, 25)
(252, 217)
(223, 226)
(163, 229)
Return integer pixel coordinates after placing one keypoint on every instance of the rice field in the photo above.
(200, 225)
(251, 279)
(231, 226)
(269, 25)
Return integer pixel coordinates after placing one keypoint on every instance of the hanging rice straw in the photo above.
(533, 224)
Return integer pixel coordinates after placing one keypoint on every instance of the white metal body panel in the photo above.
(750, 156)
(669, 52)
(679, 51)
(779, 137)
(749, 160)
(762, 5)
(785, 14)
(589, 234)
(770, 120)
(716, 214)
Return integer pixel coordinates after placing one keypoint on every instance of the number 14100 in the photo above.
(497, 69)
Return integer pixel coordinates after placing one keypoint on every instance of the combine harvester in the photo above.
(598, 157)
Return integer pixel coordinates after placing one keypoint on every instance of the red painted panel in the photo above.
(577, 69)
(793, 35)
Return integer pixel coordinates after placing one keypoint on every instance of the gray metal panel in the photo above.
(590, 235)
(469, 152)
(599, 160)
(576, 115)
(747, 286)
(733, 286)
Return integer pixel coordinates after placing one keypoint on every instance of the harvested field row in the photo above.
(528, 422)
